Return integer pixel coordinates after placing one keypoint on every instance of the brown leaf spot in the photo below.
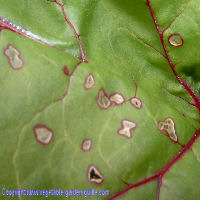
(94, 175)
(89, 82)
(86, 145)
(66, 70)
(168, 127)
(43, 134)
(136, 102)
(103, 100)
(14, 58)
(175, 40)
(117, 98)
(127, 126)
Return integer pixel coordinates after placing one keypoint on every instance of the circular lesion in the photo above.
(43, 134)
(86, 145)
(175, 40)
(136, 102)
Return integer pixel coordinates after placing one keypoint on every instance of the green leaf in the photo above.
(126, 121)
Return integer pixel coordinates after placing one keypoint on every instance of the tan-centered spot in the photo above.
(176, 40)
(43, 134)
(89, 82)
(168, 127)
(86, 145)
(127, 127)
(14, 58)
(102, 100)
(117, 98)
(136, 102)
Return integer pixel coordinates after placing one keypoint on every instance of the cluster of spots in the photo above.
(175, 40)
(168, 128)
(127, 126)
(86, 145)
(43, 134)
(94, 175)
(136, 102)
(117, 98)
(66, 70)
(14, 58)
(103, 100)
(89, 82)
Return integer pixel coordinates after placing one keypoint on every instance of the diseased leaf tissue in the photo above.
(101, 94)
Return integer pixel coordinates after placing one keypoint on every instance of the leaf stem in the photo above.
(83, 56)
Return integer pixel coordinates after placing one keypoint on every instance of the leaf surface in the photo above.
(128, 118)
